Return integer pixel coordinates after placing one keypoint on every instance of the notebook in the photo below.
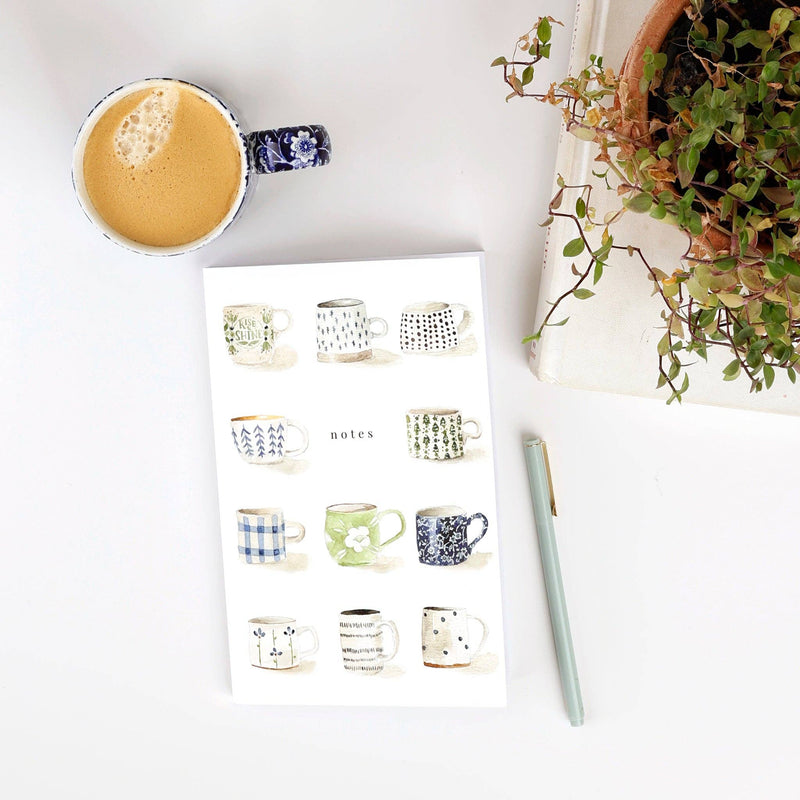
(358, 520)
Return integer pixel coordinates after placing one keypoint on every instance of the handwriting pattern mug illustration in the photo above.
(288, 549)
(261, 439)
(438, 434)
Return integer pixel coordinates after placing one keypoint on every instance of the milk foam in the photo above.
(146, 129)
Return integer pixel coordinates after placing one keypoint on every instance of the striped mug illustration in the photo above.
(361, 636)
(262, 535)
(262, 439)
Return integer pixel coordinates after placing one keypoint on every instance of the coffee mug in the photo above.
(345, 332)
(442, 535)
(194, 164)
(352, 532)
(361, 637)
(274, 642)
(432, 328)
(262, 535)
(438, 434)
(251, 330)
(445, 637)
(261, 439)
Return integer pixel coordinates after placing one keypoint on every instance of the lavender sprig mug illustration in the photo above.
(262, 535)
(345, 332)
(438, 434)
(361, 637)
(446, 639)
(432, 328)
(251, 331)
(443, 535)
(262, 439)
(353, 532)
(275, 642)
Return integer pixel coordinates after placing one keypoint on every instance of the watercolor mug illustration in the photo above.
(275, 642)
(353, 532)
(443, 535)
(262, 439)
(345, 332)
(438, 434)
(432, 327)
(263, 537)
(251, 330)
(361, 637)
(446, 639)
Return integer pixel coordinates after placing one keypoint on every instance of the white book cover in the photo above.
(353, 440)
(609, 342)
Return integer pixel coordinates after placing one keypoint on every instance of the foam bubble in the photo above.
(145, 130)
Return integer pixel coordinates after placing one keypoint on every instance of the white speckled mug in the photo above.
(446, 639)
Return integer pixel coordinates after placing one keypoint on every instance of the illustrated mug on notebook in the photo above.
(432, 327)
(361, 638)
(262, 439)
(275, 642)
(438, 434)
(442, 535)
(251, 330)
(446, 638)
(345, 332)
(262, 535)
(353, 532)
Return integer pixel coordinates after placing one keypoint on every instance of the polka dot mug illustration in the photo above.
(251, 331)
(446, 639)
(345, 332)
(262, 439)
(275, 642)
(353, 532)
(432, 327)
(438, 434)
(443, 535)
(263, 537)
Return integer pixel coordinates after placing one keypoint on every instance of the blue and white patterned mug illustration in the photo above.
(345, 332)
(443, 535)
(153, 115)
(262, 439)
(274, 642)
(263, 536)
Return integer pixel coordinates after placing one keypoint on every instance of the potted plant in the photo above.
(701, 130)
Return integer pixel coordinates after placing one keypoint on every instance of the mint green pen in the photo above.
(544, 509)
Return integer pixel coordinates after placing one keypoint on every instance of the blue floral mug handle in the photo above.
(282, 149)
(482, 517)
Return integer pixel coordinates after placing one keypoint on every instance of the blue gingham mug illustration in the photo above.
(263, 537)
(262, 151)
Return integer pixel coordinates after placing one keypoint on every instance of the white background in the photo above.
(677, 530)
(371, 396)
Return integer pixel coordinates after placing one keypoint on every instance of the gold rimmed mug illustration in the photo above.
(275, 642)
(345, 332)
(262, 439)
(438, 434)
(353, 532)
(446, 638)
(432, 327)
(251, 331)
(361, 637)
(263, 536)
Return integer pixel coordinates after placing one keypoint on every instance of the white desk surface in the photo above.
(678, 529)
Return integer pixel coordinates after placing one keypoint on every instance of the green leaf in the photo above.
(544, 30)
(732, 371)
(769, 375)
(792, 374)
(640, 203)
(498, 61)
(574, 248)
(583, 294)
(558, 324)
(580, 208)
(527, 75)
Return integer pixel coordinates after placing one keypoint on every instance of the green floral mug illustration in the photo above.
(275, 642)
(353, 532)
(251, 331)
(438, 434)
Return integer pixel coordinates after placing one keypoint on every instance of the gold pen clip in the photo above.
(549, 480)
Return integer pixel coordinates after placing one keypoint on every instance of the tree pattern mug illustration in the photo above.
(274, 642)
(261, 439)
(251, 330)
(345, 332)
(353, 532)
(442, 535)
(445, 637)
(432, 328)
(438, 434)
(361, 638)
(262, 535)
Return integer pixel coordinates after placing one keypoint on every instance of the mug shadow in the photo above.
(466, 348)
(305, 668)
(294, 562)
(290, 466)
(284, 357)
(380, 358)
(470, 455)
(392, 671)
(475, 561)
(384, 564)
(484, 664)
